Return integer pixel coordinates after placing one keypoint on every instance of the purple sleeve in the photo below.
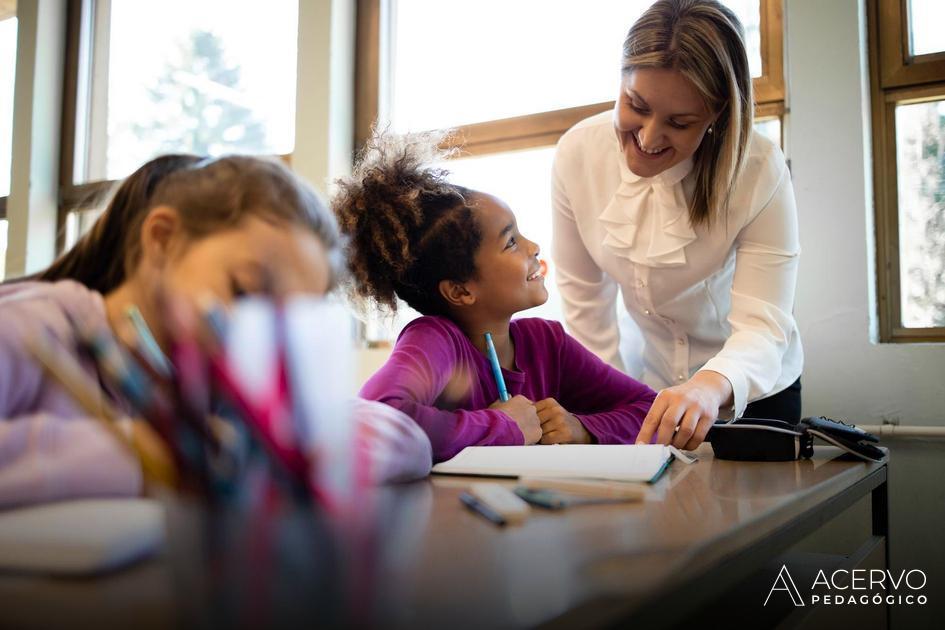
(609, 404)
(47, 458)
(48, 450)
(392, 445)
(423, 364)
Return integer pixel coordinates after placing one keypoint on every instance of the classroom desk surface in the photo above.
(702, 528)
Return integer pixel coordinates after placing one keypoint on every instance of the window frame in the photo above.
(80, 25)
(3, 199)
(895, 77)
(540, 128)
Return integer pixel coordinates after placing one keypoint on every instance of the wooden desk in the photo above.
(704, 529)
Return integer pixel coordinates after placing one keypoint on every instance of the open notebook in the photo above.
(617, 462)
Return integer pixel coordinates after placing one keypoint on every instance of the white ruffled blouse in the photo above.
(717, 298)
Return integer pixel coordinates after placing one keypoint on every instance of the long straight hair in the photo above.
(704, 41)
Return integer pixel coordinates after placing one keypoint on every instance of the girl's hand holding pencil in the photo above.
(522, 412)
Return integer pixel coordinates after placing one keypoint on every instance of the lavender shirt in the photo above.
(440, 379)
(50, 449)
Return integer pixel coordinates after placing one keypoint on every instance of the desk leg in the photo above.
(880, 507)
(880, 501)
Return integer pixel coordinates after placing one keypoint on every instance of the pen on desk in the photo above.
(481, 509)
(542, 498)
(602, 489)
(496, 368)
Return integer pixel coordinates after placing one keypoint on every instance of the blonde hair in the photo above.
(704, 41)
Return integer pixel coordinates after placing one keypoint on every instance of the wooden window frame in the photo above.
(543, 128)
(898, 66)
(72, 196)
(895, 77)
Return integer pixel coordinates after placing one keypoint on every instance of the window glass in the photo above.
(920, 162)
(209, 77)
(78, 223)
(7, 73)
(522, 179)
(514, 58)
(3, 249)
(770, 127)
(926, 18)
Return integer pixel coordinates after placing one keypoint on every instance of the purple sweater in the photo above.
(50, 449)
(440, 379)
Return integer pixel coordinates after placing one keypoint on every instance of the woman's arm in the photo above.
(762, 320)
(588, 295)
(749, 363)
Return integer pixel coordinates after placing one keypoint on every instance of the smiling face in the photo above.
(660, 120)
(508, 273)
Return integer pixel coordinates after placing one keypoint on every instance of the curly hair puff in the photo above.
(408, 228)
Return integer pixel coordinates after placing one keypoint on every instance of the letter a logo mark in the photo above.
(786, 584)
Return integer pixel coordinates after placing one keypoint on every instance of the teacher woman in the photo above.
(677, 202)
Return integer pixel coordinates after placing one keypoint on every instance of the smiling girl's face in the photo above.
(660, 120)
(508, 272)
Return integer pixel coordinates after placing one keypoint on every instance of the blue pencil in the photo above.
(496, 368)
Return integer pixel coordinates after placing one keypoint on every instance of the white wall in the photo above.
(846, 375)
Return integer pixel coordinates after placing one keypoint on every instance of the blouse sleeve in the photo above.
(761, 317)
(588, 295)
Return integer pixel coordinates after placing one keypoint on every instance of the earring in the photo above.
(710, 129)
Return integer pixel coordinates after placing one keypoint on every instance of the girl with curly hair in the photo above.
(456, 255)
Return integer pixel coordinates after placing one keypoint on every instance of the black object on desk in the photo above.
(769, 440)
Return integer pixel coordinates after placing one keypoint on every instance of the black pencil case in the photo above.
(769, 440)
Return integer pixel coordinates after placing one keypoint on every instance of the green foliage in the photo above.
(926, 277)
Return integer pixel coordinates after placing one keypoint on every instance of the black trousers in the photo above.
(785, 405)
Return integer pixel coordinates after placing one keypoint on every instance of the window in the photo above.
(565, 57)
(3, 248)
(907, 59)
(525, 73)
(212, 77)
(7, 73)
